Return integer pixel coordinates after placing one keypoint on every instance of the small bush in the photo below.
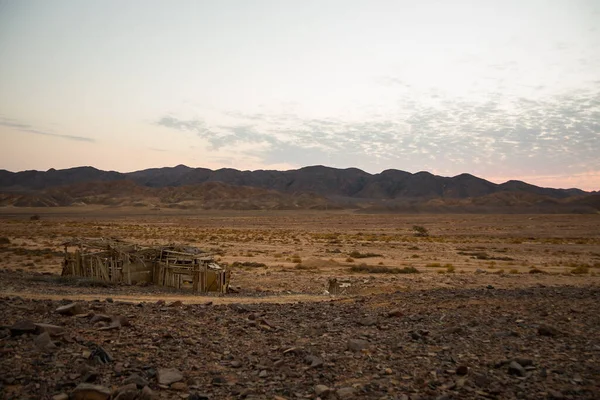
(305, 267)
(420, 231)
(450, 268)
(536, 271)
(581, 270)
(250, 264)
(35, 217)
(358, 254)
(297, 260)
(380, 269)
(4, 240)
(513, 271)
(349, 259)
(433, 265)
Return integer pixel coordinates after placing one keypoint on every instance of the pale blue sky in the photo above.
(500, 89)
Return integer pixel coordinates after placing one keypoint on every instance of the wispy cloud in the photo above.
(500, 136)
(11, 123)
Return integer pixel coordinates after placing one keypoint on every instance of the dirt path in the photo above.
(280, 299)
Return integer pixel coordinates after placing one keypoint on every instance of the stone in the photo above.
(146, 394)
(137, 380)
(263, 374)
(345, 393)
(60, 396)
(179, 386)
(177, 303)
(235, 364)
(314, 361)
(70, 309)
(168, 376)
(462, 370)
(357, 344)
(547, 330)
(555, 395)
(53, 330)
(322, 390)
(43, 342)
(368, 321)
(100, 318)
(126, 392)
(514, 368)
(22, 327)
(87, 391)
(395, 313)
(198, 396)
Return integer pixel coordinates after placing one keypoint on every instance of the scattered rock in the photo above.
(345, 393)
(43, 342)
(22, 327)
(314, 361)
(53, 330)
(395, 313)
(137, 380)
(322, 390)
(87, 391)
(70, 309)
(514, 368)
(368, 321)
(547, 330)
(462, 370)
(357, 345)
(146, 394)
(168, 376)
(179, 386)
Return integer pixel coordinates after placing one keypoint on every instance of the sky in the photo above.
(498, 89)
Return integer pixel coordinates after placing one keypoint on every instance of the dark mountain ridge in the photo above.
(321, 180)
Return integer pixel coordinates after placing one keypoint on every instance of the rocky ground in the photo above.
(539, 342)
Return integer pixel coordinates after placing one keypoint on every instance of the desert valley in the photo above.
(432, 305)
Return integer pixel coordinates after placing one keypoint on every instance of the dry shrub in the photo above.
(380, 269)
(581, 270)
(358, 254)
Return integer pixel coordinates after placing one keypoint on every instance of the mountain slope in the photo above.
(314, 187)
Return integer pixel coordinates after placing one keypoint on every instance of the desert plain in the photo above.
(436, 306)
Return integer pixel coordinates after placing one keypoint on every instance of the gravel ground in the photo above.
(538, 342)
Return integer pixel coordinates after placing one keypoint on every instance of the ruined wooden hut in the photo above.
(114, 260)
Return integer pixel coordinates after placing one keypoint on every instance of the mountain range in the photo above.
(314, 187)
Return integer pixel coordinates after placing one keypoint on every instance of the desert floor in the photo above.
(490, 290)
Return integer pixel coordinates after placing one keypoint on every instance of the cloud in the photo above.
(10, 123)
(496, 136)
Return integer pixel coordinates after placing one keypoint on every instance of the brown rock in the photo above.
(357, 344)
(53, 330)
(100, 318)
(43, 342)
(346, 393)
(547, 330)
(179, 386)
(462, 370)
(167, 376)
(146, 394)
(322, 390)
(127, 392)
(21, 327)
(70, 309)
(395, 313)
(87, 391)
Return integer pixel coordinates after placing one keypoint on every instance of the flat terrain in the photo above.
(423, 316)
